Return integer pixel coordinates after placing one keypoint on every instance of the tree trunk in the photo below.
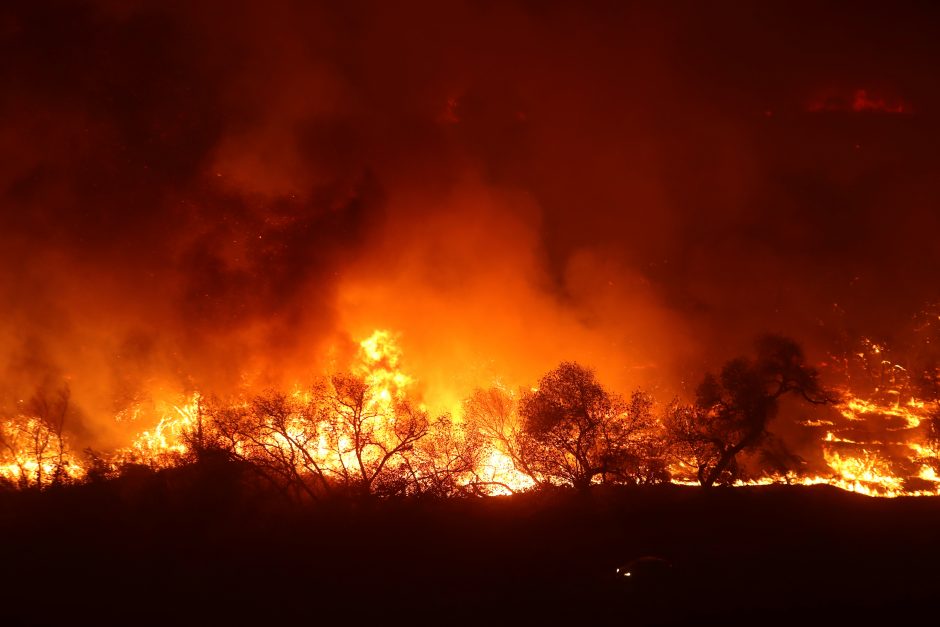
(726, 457)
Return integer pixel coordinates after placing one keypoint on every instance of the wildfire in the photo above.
(378, 365)
(34, 452)
(911, 412)
(499, 472)
(368, 427)
(166, 439)
(866, 472)
(333, 443)
(868, 465)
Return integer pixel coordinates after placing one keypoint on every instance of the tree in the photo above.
(636, 450)
(341, 436)
(371, 439)
(733, 410)
(493, 413)
(277, 434)
(688, 444)
(571, 426)
(33, 443)
(445, 462)
(571, 430)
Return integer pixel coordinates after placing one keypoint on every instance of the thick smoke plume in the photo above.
(223, 195)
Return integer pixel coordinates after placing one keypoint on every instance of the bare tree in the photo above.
(493, 413)
(33, 441)
(279, 436)
(446, 461)
(370, 437)
(342, 435)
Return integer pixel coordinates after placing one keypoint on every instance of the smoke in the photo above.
(226, 194)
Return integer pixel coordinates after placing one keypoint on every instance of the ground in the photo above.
(190, 549)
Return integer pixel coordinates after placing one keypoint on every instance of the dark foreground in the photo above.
(190, 549)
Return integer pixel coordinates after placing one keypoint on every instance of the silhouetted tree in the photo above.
(493, 413)
(340, 436)
(445, 461)
(370, 437)
(279, 436)
(570, 430)
(575, 430)
(688, 444)
(636, 449)
(733, 409)
(33, 441)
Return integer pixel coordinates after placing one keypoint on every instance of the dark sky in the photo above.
(214, 193)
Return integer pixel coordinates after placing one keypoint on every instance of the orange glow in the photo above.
(318, 432)
(32, 455)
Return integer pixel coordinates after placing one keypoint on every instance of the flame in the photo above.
(857, 408)
(34, 454)
(500, 473)
(379, 358)
(899, 461)
(866, 472)
(863, 464)
(165, 441)
(378, 364)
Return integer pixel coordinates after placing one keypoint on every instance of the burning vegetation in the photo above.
(416, 308)
(352, 257)
(366, 432)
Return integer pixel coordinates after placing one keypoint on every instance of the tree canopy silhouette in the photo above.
(733, 409)
(575, 430)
